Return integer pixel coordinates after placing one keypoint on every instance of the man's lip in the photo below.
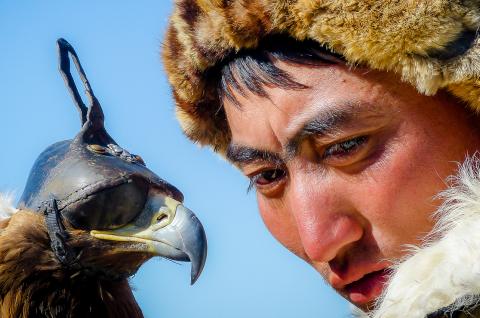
(367, 288)
(361, 284)
(339, 281)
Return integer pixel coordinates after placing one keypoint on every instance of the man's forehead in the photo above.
(336, 96)
(328, 113)
(328, 119)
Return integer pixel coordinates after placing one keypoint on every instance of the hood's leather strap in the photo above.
(64, 253)
(58, 235)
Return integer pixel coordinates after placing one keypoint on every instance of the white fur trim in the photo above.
(6, 206)
(445, 271)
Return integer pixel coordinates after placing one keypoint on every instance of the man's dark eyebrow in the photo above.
(324, 123)
(239, 154)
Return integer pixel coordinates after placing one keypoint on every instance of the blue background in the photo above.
(248, 274)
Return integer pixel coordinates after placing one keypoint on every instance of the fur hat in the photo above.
(431, 44)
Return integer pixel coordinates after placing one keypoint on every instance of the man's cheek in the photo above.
(399, 210)
(281, 224)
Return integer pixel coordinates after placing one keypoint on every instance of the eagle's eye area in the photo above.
(109, 208)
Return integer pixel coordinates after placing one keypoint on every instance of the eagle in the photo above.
(90, 215)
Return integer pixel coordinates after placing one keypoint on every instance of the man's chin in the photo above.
(364, 307)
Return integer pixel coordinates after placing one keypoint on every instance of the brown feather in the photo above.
(34, 284)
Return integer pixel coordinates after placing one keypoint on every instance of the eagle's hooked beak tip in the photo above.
(194, 240)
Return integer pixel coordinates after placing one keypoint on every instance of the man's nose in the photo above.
(325, 222)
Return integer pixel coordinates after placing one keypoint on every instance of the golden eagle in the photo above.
(90, 215)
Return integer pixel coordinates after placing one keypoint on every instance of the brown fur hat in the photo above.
(431, 44)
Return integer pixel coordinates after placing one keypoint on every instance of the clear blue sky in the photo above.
(248, 274)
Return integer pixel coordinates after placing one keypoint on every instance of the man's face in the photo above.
(347, 170)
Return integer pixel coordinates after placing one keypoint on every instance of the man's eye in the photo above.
(345, 148)
(266, 178)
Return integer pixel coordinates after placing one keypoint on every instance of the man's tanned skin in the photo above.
(346, 170)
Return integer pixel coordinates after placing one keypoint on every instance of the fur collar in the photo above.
(445, 271)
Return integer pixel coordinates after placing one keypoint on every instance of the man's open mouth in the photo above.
(367, 288)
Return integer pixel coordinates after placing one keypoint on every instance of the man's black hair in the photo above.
(253, 70)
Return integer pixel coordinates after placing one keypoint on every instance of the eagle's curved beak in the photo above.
(168, 229)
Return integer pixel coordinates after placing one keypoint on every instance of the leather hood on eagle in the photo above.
(96, 183)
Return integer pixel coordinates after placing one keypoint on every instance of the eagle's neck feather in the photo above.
(34, 284)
